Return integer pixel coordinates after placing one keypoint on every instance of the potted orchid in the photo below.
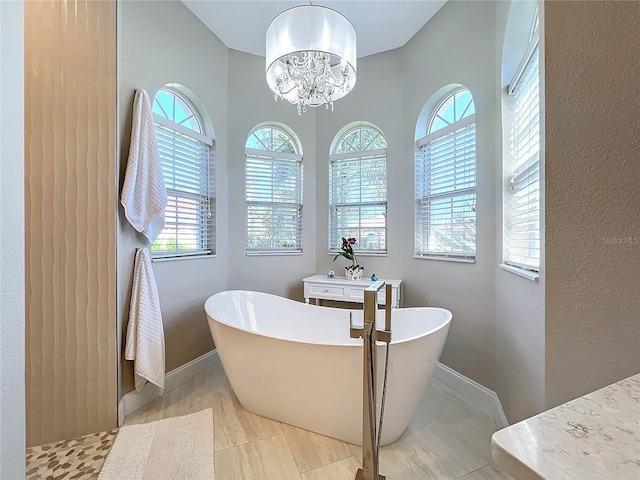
(353, 271)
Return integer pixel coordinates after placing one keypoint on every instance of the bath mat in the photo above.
(176, 448)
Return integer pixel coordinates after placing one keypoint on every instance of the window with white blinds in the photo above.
(358, 191)
(187, 162)
(521, 242)
(273, 189)
(445, 181)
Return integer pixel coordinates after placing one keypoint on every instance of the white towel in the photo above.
(144, 195)
(145, 333)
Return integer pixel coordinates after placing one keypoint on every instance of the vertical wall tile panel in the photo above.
(42, 193)
(88, 407)
(88, 42)
(42, 33)
(47, 423)
(43, 363)
(42, 145)
(70, 224)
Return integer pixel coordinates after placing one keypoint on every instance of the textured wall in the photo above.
(149, 57)
(12, 330)
(70, 115)
(593, 195)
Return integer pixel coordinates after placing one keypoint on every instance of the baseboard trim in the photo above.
(134, 400)
(473, 393)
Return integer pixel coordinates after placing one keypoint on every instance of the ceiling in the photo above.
(380, 24)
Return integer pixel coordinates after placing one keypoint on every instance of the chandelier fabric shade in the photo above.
(310, 56)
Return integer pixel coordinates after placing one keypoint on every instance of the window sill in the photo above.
(362, 254)
(184, 257)
(528, 274)
(445, 259)
(272, 254)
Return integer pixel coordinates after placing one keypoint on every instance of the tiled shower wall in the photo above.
(70, 190)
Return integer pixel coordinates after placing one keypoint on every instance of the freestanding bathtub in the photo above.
(295, 362)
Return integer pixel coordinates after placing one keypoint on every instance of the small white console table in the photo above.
(340, 289)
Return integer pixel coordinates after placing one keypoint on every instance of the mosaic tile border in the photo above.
(75, 459)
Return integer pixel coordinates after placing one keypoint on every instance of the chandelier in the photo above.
(310, 56)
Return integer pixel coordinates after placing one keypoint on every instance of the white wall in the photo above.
(377, 99)
(160, 43)
(456, 47)
(12, 315)
(251, 103)
(520, 348)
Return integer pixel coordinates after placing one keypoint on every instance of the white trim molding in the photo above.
(473, 393)
(134, 400)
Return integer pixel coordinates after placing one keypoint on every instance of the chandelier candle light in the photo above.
(310, 56)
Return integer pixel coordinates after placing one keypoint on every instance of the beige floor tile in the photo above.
(235, 426)
(447, 438)
(475, 432)
(163, 407)
(267, 459)
(441, 406)
(312, 450)
(341, 470)
(487, 473)
(199, 392)
(420, 454)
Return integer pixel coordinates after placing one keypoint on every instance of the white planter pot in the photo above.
(353, 273)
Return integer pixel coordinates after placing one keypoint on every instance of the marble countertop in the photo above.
(596, 436)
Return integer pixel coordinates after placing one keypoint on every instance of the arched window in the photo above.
(445, 181)
(186, 153)
(358, 189)
(273, 190)
(521, 197)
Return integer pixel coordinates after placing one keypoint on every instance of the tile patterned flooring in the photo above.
(447, 440)
(77, 458)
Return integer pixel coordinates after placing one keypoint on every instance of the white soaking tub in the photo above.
(295, 362)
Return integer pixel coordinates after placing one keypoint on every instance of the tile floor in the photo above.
(77, 458)
(447, 440)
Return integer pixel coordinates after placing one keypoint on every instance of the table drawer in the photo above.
(356, 293)
(327, 291)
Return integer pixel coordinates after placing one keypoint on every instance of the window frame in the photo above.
(514, 176)
(168, 130)
(458, 129)
(359, 156)
(271, 158)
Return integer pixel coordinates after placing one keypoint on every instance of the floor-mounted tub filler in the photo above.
(371, 427)
(296, 363)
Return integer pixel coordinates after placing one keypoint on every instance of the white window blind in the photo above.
(273, 192)
(190, 213)
(358, 191)
(188, 166)
(522, 196)
(445, 182)
(273, 183)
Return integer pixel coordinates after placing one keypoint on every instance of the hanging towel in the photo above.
(144, 195)
(145, 334)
